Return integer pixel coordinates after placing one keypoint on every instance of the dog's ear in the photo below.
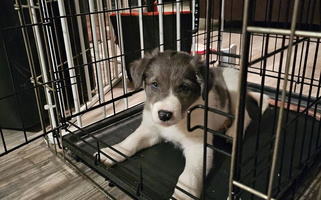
(139, 67)
(200, 70)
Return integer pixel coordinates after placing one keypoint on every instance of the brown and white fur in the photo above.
(173, 83)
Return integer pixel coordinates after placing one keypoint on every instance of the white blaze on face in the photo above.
(170, 104)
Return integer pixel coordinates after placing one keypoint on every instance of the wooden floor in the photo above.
(35, 172)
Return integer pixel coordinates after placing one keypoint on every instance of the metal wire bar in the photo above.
(216, 133)
(121, 45)
(112, 72)
(251, 190)
(310, 93)
(276, 51)
(160, 7)
(206, 89)
(287, 115)
(178, 25)
(194, 17)
(279, 126)
(83, 49)
(97, 57)
(27, 142)
(301, 91)
(234, 172)
(68, 49)
(221, 27)
(105, 103)
(219, 150)
(3, 141)
(103, 39)
(315, 110)
(141, 28)
(265, 49)
(295, 78)
(279, 31)
(43, 66)
(112, 38)
(31, 63)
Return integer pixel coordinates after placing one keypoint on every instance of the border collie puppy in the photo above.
(174, 82)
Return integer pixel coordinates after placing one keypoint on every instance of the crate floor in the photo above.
(152, 173)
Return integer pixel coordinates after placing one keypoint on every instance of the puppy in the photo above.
(174, 82)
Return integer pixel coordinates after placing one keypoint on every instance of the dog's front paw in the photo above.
(176, 196)
(230, 132)
(109, 157)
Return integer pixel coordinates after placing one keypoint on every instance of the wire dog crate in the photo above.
(74, 59)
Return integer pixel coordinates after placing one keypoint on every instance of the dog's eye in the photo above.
(155, 85)
(184, 88)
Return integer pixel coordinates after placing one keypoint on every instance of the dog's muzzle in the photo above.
(164, 115)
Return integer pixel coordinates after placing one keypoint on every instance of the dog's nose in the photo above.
(164, 115)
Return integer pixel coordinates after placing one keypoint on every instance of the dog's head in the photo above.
(172, 80)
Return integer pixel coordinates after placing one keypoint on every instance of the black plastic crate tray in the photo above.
(152, 173)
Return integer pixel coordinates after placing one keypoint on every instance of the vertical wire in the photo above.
(240, 104)
(53, 59)
(103, 38)
(207, 63)
(141, 31)
(193, 49)
(125, 3)
(229, 59)
(221, 28)
(43, 10)
(279, 126)
(263, 75)
(58, 58)
(107, 59)
(1, 132)
(310, 93)
(112, 38)
(100, 86)
(141, 27)
(301, 94)
(178, 25)
(70, 61)
(264, 52)
(292, 88)
(315, 110)
(161, 25)
(122, 51)
(31, 63)
(3, 141)
(42, 59)
(211, 40)
(83, 50)
(289, 97)
(43, 65)
(72, 29)
(312, 74)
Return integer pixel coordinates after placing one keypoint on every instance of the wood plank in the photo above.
(35, 172)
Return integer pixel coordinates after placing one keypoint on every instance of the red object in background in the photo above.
(155, 6)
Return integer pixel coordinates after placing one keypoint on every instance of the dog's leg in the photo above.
(232, 130)
(142, 138)
(191, 178)
(247, 120)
